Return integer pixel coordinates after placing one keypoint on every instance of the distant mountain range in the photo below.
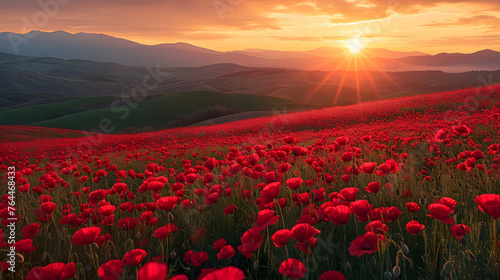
(27, 81)
(104, 48)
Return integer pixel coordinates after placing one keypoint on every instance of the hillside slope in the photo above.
(156, 112)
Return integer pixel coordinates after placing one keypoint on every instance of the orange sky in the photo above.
(430, 26)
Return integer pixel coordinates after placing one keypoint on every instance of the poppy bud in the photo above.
(396, 271)
(347, 267)
(445, 272)
(405, 249)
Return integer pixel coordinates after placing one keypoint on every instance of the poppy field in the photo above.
(404, 188)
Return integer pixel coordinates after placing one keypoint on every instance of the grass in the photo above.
(37, 113)
(159, 110)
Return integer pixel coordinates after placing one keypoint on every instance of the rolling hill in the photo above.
(86, 113)
(28, 81)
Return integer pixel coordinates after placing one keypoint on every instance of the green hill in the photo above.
(88, 113)
(37, 113)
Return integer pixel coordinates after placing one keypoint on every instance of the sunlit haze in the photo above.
(354, 45)
(428, 26)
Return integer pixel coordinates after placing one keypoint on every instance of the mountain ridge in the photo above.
(105, 48)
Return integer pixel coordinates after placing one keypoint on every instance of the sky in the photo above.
(430, 26)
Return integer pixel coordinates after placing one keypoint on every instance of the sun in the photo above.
(354, 45)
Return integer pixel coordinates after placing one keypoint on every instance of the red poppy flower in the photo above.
(226, 252)
(48, 207)
(119, 187)
(339, 214)
(106, 210)
(489, 204)
(304, 232)
(205, 272)
(414, 227)
(284, 167)
(368, 167)
(470, 163)
(361, 208)
(266, 218)
(219, 244)
(167, 203)
(24, 188)
(4, 266)
(69, 219)
(292, 268)
(294, 183)
(211, 198)
(341, 140)
(412, 207)
(373, 187)
(54, 271)
(441, 212)
(385, 214)
(349, 194)
(198, 258)
(270, 192)
(377, 227)
(230, 209)
(289, 139)
(477, 154)
(191, 178)
(30, 230)
(97, 196)
(225, 273)
(153, 271)
(134, 257)
(111, 270)
(345, 178)
(281, 237)
(366, 244)
(440, 135)
(271, 177)
(155, 186)
(459, 230)
(162, 232)
(332, 275)
(299, 151)
(187, 256)
(128, 223)
(347, 156)
(450, 202)
(250, 241)
(85, 236)
(461, 130)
